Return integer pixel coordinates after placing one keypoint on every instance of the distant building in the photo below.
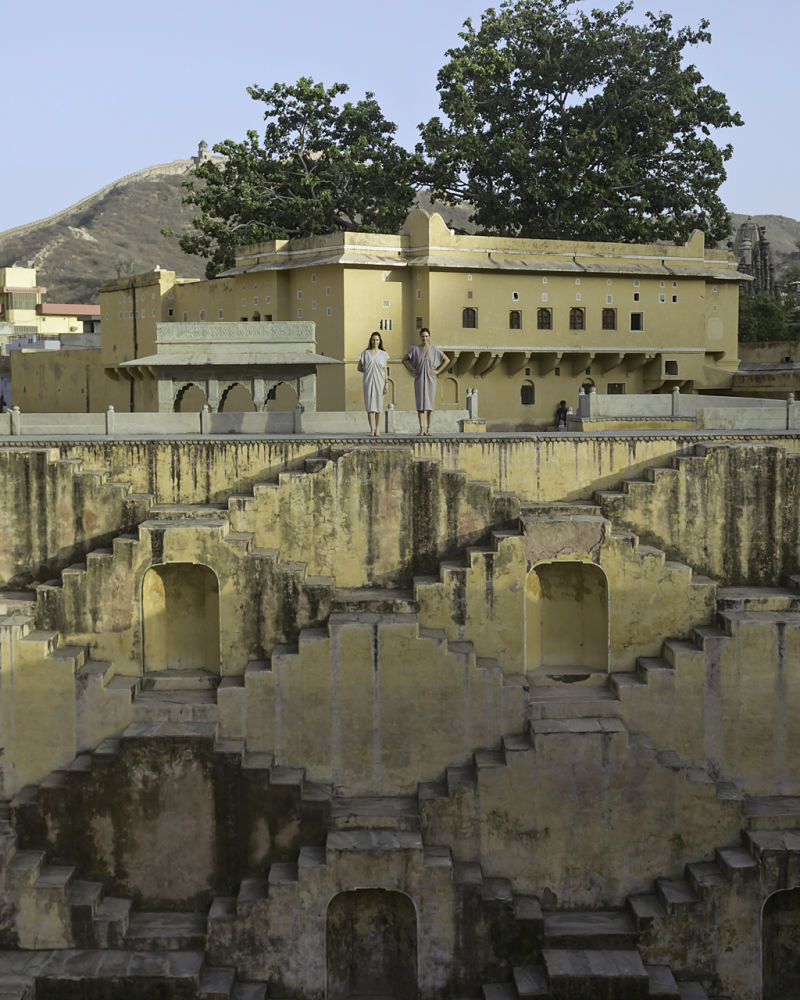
(754, 253)
(26, 318)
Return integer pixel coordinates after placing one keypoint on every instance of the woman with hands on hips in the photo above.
(425, 362)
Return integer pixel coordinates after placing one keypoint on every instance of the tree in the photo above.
(323, 166)
(564, 124)
(761, 317)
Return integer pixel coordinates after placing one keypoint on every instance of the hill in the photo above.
(114, 231)
(117, 231)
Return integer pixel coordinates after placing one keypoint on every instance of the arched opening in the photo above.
(180, 617)
(780, 945)
(566, 618)
(236, 399)
(371, 945)
(448, 391)
(281, 398)
(190, 399)
(527, 393)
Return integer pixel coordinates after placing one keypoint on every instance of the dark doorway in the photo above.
(780, 937)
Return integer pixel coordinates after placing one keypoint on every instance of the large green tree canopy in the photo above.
(562, 123)
(323, 166)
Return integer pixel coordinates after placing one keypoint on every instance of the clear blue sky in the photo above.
(94, 90)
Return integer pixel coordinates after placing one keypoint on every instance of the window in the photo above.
(662, 297)
(202, 314)
(268, 299)
(386, 303)
(661, 284)
(469, 295)
(609, 319)
(220, 314)
(545, 297)
(609, 299)
(637, 321)
(544, 319)
(419, 293)
(255, 300)
(636, 282)
(385, 324)
(527, 394)
(635, 296)
(244, 302)
(577, 318)
(299, 313)
(313, 303)
(327, 289)
(268, 318)
(515, 320)
(469, 318)
(299, 295)
(670, 367)
(544, 281)
(313, 278)
(418, 322)
(615, 388)
(170, 312)
(185, 316)
(515, 296)
(329, 311)
(674, 298)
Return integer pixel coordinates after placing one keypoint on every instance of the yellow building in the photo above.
(525, 322)
(22, 305)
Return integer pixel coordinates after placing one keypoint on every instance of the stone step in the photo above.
(531, 981)
(175, 706)
(568, 701)
(594, 974)
(771, 842)
(705, 876)
(180, 680)
(662, 984)
(111, 920)
(84, 896)
(118, 972)
(216, 983)
(675, 893)
(182, 511)
(561, 508)
(737, 862)
(164, 931)
(373, 840)
(374, 600)
(375, 813)
(249, 991)
(692, 991)
(773, 812)
(757, 599)
(610, 929)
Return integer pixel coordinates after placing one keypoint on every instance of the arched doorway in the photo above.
(236, 399)
(281, 398)
(566, 618)
(180, 617)
(780, 945)
(371, 945)
(190, 399)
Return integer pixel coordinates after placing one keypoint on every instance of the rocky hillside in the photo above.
(117, 231)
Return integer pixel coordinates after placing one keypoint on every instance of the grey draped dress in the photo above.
(425, 380)
(374, 368)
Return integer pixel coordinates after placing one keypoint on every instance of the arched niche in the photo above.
(780, 945)
(448, 391)
(180, 617)
(236, 399)
(566, 618)
(371, 945)
(282, 398)
(190, 399)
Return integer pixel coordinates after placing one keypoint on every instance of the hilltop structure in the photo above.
(755, 259)
(526, 322)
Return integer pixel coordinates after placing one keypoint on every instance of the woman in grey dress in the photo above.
(372, 362)
(425, 362)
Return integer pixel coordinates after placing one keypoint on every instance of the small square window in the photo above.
(469, 277)
(170, 312)
(244, 302)
(386, 303)
(577, 296)
(202, 314)
(636, 282)
(313, 303)
(577, 281)
(219, 314)
(662, 298)
(661, 284)
(544, 297)
(185, 317)
(635, 296)
(255, 300)
(418, 322)
(615, 388)
(267, 300)
(419, 293)
(515, 296)
(544, 281)
(674, 298)
(469, 295)
(609, 299)
(329, 311)
(674, 284)
(299, 295)
(556, 371)
(299, 313)
(327, 289)
(313, 278)
(713, 288)
(670, 367)
(608, 281)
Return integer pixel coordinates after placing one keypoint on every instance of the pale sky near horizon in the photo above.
(95, 91)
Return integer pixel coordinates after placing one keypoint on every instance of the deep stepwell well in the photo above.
(314, 719)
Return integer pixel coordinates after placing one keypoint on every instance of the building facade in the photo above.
(525, 322)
